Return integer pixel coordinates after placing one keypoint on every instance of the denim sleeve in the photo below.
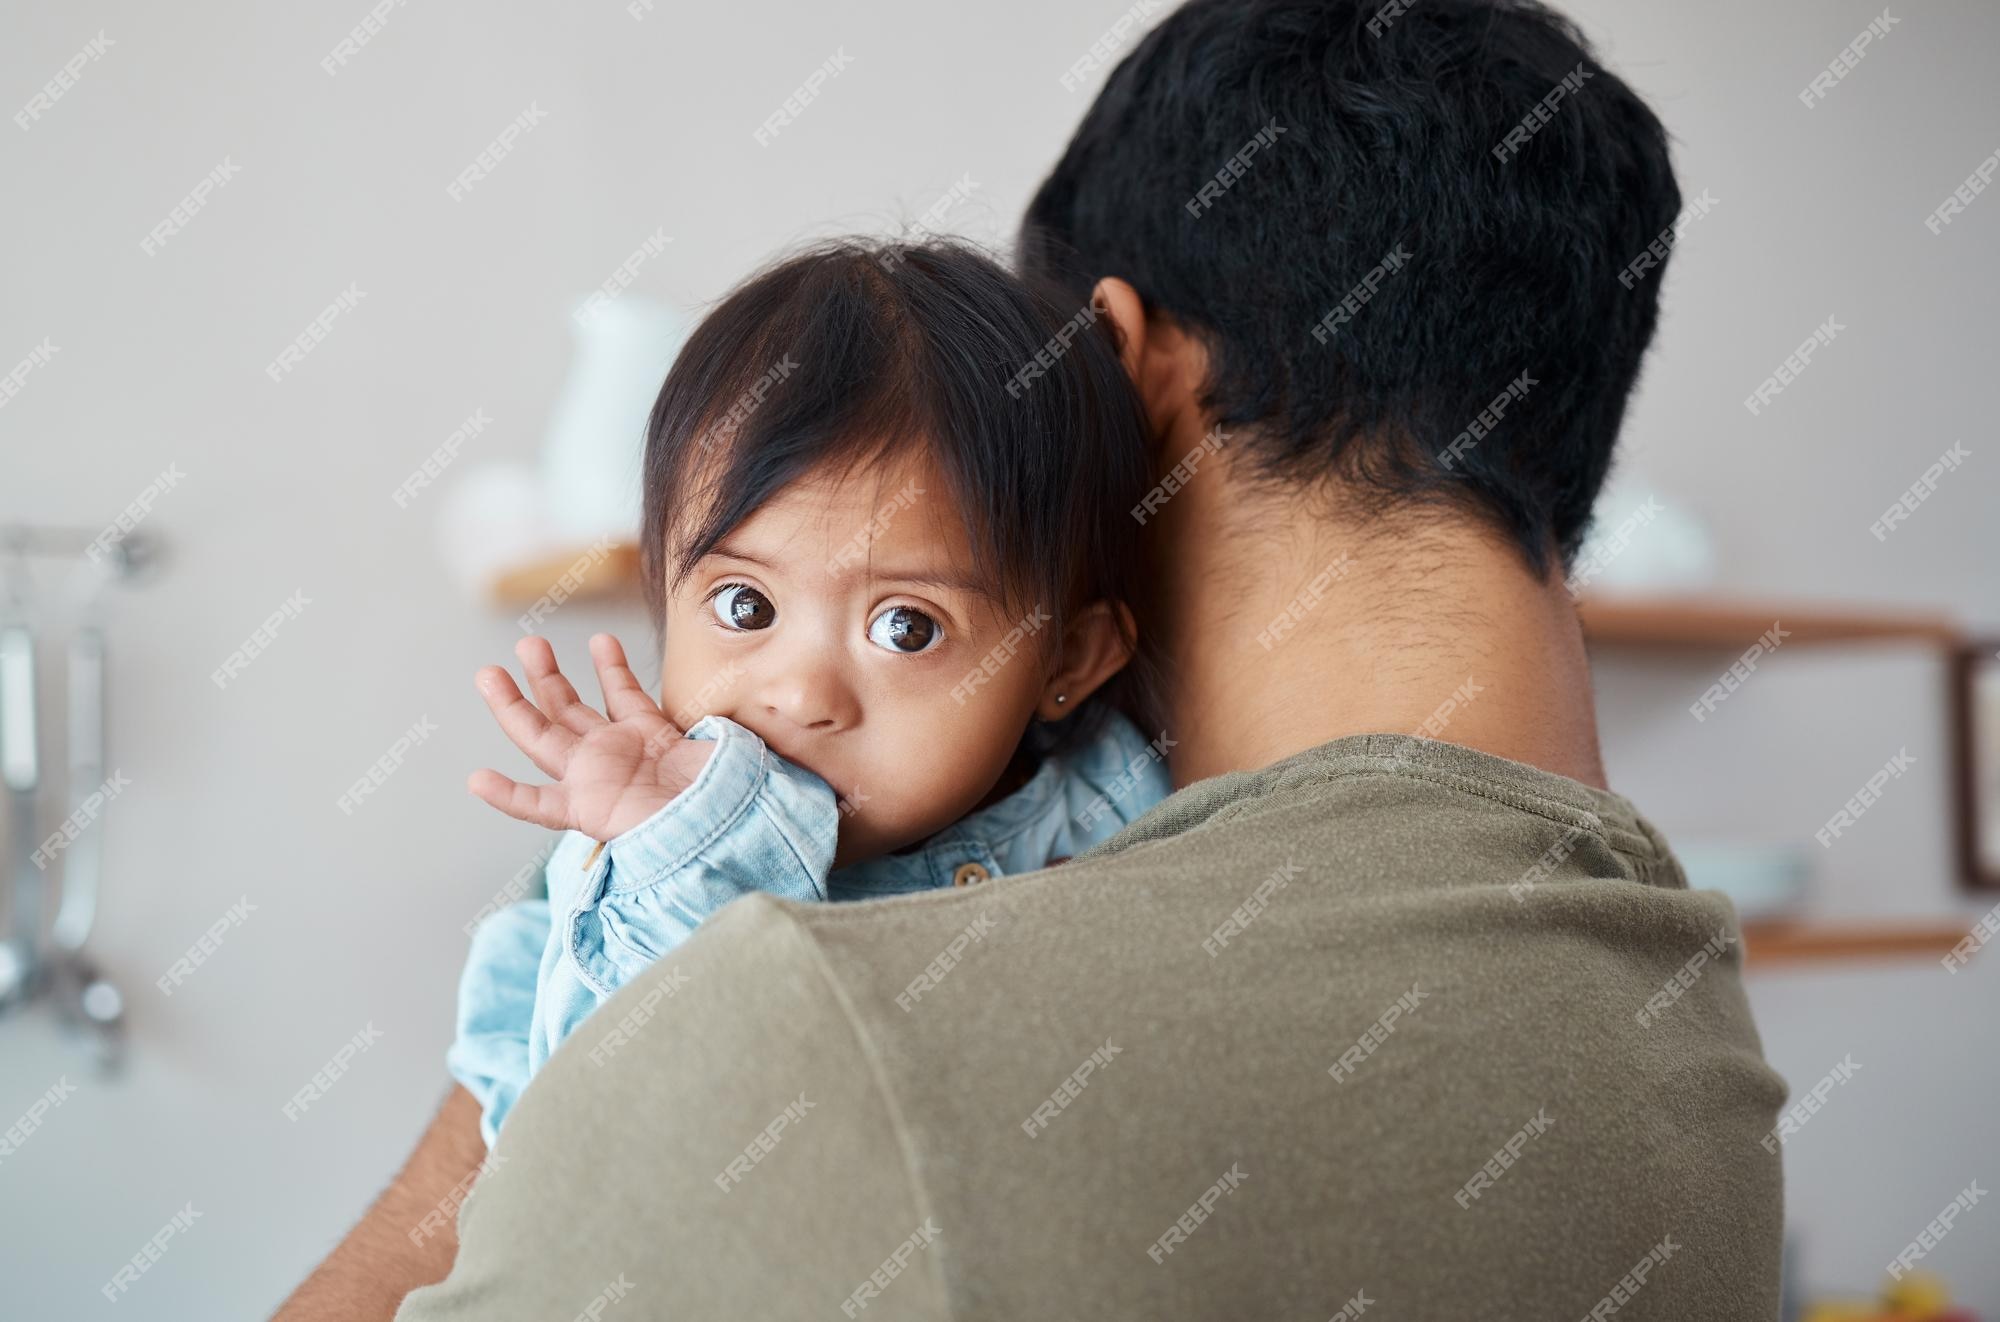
(496, 1006)
(751, 821)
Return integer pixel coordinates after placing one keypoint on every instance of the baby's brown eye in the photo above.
(904, 629)
(739, 606)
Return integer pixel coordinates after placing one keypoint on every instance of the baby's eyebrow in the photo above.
(923, 576)
(936, 578)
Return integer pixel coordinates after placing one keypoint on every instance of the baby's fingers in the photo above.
(552, 690)
(624, 696)
(547, 746)
(544, 805)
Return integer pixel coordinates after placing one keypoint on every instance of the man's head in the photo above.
(1393, 232)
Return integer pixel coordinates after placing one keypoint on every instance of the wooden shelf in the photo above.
(1720, 624)
(607, 574)
(1769, 943)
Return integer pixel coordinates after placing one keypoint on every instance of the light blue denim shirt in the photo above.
(750, 821)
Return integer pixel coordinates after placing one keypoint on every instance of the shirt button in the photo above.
(968, 873)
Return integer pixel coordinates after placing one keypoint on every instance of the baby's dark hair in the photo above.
(858, 350)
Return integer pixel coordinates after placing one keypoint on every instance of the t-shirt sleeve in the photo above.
(715, 1141)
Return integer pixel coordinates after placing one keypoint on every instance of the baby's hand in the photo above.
(610, 775)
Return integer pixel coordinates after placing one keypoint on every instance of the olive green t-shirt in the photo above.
(1391, 1028)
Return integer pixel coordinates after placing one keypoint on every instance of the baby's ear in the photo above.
(1096, 644)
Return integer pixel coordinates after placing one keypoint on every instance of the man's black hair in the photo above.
(856, 350)
(1460, 174)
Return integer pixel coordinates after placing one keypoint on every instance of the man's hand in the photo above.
(611, 774)
(389, 1253)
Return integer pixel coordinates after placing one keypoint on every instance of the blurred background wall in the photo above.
(645, 124)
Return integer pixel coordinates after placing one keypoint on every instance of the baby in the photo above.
(889, 550)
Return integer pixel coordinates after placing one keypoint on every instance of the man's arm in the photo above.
(380, 1261)
(634, 1165)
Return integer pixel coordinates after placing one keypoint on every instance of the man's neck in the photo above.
(1287, 627)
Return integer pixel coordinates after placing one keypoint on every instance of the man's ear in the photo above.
(1120, 304)
(1168, 366)
(1094, 648)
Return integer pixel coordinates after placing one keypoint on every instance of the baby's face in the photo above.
(844, 624)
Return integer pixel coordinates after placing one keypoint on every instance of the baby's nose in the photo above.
(810, 700)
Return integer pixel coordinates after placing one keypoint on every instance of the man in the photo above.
(1394, 1003)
